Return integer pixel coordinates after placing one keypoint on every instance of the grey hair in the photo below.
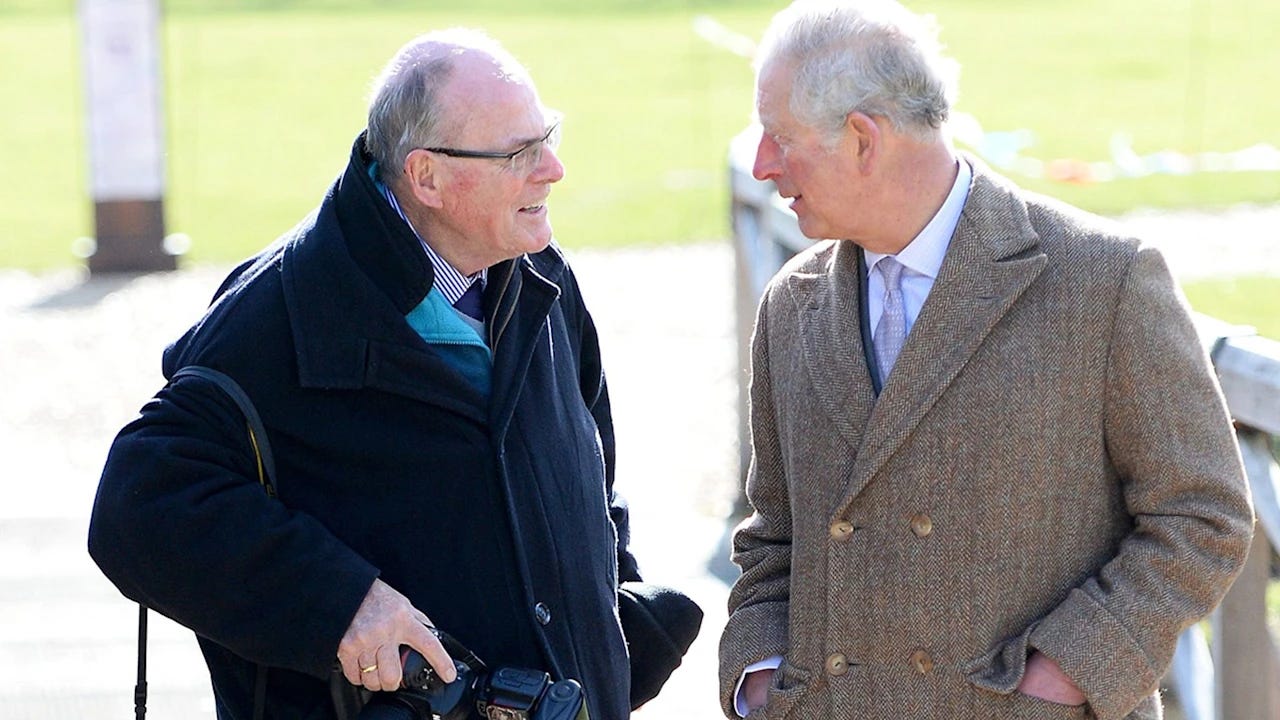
(869, 56)
(405, 110)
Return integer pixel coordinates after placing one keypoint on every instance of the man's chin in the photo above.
(811, 229)
(538, 241)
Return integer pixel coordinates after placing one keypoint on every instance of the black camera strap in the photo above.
(266, 472)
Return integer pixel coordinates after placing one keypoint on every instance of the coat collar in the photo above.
(379, 241)
(993, 257)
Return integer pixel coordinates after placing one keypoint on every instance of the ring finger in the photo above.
(370, 672)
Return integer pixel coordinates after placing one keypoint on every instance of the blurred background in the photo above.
(1161, 114)
(1109, 105)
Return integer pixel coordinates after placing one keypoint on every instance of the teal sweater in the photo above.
(444, 329)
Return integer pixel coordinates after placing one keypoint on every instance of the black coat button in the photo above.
(542, 613)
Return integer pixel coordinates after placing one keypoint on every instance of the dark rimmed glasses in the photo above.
(520, 161)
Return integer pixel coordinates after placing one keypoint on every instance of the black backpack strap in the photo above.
(266, 475)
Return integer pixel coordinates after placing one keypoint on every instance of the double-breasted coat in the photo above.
(1049, 466)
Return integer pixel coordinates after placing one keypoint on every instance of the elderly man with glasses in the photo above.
(431, 389)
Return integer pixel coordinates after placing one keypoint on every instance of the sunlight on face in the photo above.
(494, 208)
(815, 175)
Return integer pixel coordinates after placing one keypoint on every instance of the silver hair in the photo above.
(869, 56)
(405, 110)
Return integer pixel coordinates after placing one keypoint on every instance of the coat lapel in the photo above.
(827, 305)
(992, 259)
(523, 295)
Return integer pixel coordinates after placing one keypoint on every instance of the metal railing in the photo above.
(1238, 678)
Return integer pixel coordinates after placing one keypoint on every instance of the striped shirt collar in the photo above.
(449, 281)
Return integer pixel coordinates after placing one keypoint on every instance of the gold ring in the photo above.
(369, 669)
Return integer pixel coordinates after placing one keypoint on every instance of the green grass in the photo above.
(1244, 301)
(1172, 76)
(262, 109)
(263, 98)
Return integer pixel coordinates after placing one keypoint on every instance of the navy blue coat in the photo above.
(494, 515)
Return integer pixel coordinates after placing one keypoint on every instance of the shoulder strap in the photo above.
(257, 432)
(266, 476)
(140, 689)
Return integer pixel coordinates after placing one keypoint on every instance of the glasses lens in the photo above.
(523, 162)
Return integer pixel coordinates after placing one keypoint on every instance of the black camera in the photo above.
(505, 693)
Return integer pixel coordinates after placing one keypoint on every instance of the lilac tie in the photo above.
(469, 303)
(891, 331)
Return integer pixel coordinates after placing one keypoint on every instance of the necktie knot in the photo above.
(891, 271)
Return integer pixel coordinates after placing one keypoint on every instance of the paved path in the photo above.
(79, 358)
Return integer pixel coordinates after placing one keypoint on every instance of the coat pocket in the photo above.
(790, 683)
(1019, 706)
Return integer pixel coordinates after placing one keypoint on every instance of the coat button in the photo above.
(921, 525)
(921, 661)
(542, 613)
(841, 530)
(837, 665)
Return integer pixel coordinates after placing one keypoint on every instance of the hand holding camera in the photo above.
(386, 620)
(505, 693)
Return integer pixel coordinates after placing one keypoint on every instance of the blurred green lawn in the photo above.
(1242, 300)
(262, 108)
(263, 98)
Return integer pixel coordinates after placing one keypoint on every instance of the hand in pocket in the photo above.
(1045, 680)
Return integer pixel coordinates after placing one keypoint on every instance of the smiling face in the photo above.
(822, 180)
(480, 211)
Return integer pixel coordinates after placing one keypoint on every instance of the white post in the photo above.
(121, 44)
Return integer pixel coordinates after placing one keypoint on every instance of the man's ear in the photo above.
(865, 138)
(424, 177)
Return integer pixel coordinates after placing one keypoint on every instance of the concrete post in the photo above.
(121, 56)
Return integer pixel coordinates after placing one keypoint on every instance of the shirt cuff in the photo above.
(739, 702)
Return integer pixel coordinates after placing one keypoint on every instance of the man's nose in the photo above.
(766, 164)
(549, 168)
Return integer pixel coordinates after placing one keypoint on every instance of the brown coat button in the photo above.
(921, 661)
(837, 665)
(841, 530)
(921, 525)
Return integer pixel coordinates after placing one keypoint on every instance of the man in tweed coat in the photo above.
(992, 473)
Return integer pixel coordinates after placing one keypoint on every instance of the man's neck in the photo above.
(437, 239)
(419, 222)
(916, 185)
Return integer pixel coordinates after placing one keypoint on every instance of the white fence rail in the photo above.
(1239, 677)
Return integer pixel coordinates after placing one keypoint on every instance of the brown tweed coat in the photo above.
(1050, 466)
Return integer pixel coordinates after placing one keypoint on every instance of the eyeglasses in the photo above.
(521, 161)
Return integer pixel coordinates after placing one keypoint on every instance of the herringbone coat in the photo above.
(1050, 466)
